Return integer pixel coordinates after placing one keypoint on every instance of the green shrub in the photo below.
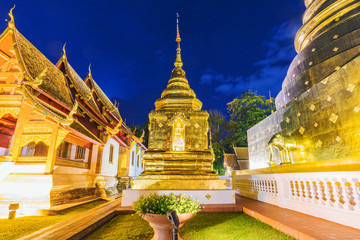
(160, 204)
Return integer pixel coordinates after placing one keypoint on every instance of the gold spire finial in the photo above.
(178, 39)
(64, 51)
(271, 106)
(11, 23)
(178, 62)
(89, 70)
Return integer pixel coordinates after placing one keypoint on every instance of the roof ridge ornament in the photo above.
(178, 62)
(89, 74)
(11, 23)
(70, 118)
(64, 51)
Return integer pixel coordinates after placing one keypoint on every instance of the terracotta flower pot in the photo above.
(162, 225)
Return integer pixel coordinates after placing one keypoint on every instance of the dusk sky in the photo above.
(227, 46)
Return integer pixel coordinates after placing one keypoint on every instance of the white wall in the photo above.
(110, 169)
(134, 170)
(2, 151)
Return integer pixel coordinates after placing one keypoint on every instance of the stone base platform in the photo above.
(176, 184)
(204, 196)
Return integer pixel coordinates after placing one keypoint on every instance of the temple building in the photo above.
(179, 154)
(61, 138)
(305, 156)
(239, 160)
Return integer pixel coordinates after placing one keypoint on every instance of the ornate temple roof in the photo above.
(39, 71)
(80, 86)
(178, 94)
(102, 96)
(49, 88)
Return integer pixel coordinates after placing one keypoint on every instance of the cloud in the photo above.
(270, 71)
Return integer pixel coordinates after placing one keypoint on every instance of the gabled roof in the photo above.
(103, 98)
(38, 69)
(230, 161)
(241, 153)
(78, 83)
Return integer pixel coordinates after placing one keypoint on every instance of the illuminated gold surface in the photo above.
(318, 166)
(328, 15)
(179, 155)
(317, 116)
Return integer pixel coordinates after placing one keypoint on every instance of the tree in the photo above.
(139, 131)
(218, 125)
(245, 112)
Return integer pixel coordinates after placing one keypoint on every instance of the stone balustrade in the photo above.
(334, 196)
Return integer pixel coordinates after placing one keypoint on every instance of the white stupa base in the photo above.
(204, 196)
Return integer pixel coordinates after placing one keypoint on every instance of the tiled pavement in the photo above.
(298, 225)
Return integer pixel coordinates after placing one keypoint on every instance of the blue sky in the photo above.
(227, 46)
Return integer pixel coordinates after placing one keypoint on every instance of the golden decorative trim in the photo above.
(70, 118)
(26, 139)
(71, 163)
(11, 23)
(34, 159)
(60, 137)
(318, 166)
(329, 14)
(14, 110)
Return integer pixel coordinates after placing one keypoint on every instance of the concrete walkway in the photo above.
(295, 224)
(79, 226)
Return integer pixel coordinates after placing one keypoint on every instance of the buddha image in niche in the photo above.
(179, 135)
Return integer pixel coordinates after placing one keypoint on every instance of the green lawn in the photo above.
(18, 227)
(223, 226)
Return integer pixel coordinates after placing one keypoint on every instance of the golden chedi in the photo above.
(179, 156)
(317, 118)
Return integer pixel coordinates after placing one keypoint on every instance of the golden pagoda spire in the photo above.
(11, 23)
(178, 63)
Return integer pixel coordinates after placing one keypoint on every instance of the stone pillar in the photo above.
(50, 162)
(93, 159)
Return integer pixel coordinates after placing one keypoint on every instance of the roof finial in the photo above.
(178, 62)
(64, 51)
(11, 23)
(89, 70)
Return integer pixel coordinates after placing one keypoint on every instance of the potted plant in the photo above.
(153, 208)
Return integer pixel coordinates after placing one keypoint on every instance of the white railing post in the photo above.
(307, 190)
(356, 192)
(327, 186)
(336, 193)
(314, 191)
(347, 193)
(320, 192)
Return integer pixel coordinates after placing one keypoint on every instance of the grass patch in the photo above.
(18, 227)
(229, 226)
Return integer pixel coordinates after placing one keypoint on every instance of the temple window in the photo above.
(80, 152)
(179, 135)
(111, 155)
(35, 149)
(138, 161)
(64, 150)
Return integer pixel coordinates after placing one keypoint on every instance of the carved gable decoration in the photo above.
(180, 115)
